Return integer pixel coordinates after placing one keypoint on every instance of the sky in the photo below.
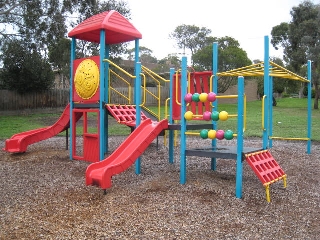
(247, 21)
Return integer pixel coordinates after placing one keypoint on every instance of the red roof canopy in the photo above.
(118, 29)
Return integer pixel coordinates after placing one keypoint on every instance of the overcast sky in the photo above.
(247, 21)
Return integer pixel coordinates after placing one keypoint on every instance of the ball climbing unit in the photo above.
(207, 116)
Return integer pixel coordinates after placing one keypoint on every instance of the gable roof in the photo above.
(118, 29)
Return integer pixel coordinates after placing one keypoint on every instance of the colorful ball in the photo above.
(188, 98)
(220, 134)
(211, 96)
(195, 97)
(207, 116)
(215, 116)
(228, 135)
(223, 115)
(212, 134)
(204, 133)
(203, 97)
(188, 115)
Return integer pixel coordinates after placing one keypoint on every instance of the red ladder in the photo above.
(266, 168)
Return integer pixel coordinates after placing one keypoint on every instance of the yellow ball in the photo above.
(188, 115)
(223, 116)
(212, 134)
(203, 97)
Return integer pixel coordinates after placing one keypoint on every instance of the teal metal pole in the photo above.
(266, 92)
(171, 135)
(270, 114)
(183, 164)
(215, 90)
(72, 58)
(106, 87)
(137, 97)
(102, 96)
(309, 108)
(138, 108)
(240, 137)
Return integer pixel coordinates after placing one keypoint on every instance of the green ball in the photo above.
(196, 97)
(228, 135)
(215, 116)
(204, 133)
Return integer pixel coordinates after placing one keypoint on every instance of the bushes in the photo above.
(24, 69)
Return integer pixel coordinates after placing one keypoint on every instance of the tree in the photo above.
(25, 70)
(59, 57)
(145, 55)
(42, 26)
(230, 56)
(191, 37)
(300, 40)
(88, 8)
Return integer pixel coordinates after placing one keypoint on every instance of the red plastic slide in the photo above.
(18, 143)
(125, 155)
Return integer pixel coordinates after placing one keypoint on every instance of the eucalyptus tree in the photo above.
(191, 37)
(300, 40)
(230, 56)
(42, 27)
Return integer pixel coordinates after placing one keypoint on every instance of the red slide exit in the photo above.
(125, 155)
(18, 143)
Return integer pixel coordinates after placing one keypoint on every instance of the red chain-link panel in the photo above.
(265, 167)
(125, 114)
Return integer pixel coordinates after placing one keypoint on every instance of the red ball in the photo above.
(207, 116)
(211, 96)
(220, 134)
(188, 98)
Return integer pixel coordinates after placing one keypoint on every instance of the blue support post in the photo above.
(171, 132)
(266, 92)
(72, 58)
(183, 162)
(240, 137)
(270, 114)
(138, 108)
(102, 97)
(309, 108)
(137, 96)
(215, 90)
(106, 87)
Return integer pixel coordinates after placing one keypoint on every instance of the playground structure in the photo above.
(91, 87)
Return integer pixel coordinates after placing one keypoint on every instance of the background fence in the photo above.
(11, 101)
(57, 98)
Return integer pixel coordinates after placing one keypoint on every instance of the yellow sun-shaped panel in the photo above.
(86, 80)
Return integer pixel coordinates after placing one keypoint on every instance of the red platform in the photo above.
(266, 168)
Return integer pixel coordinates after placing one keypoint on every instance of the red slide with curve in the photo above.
(18, 143)
(100, 173)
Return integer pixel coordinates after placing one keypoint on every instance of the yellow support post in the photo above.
(268, 192)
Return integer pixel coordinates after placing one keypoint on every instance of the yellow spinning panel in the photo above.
(86, 79)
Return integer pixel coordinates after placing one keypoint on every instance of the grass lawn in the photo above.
(289, 120)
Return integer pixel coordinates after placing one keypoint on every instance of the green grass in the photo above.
(289, 120)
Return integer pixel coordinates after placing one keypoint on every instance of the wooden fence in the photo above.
(11, 101)
(56, 98)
